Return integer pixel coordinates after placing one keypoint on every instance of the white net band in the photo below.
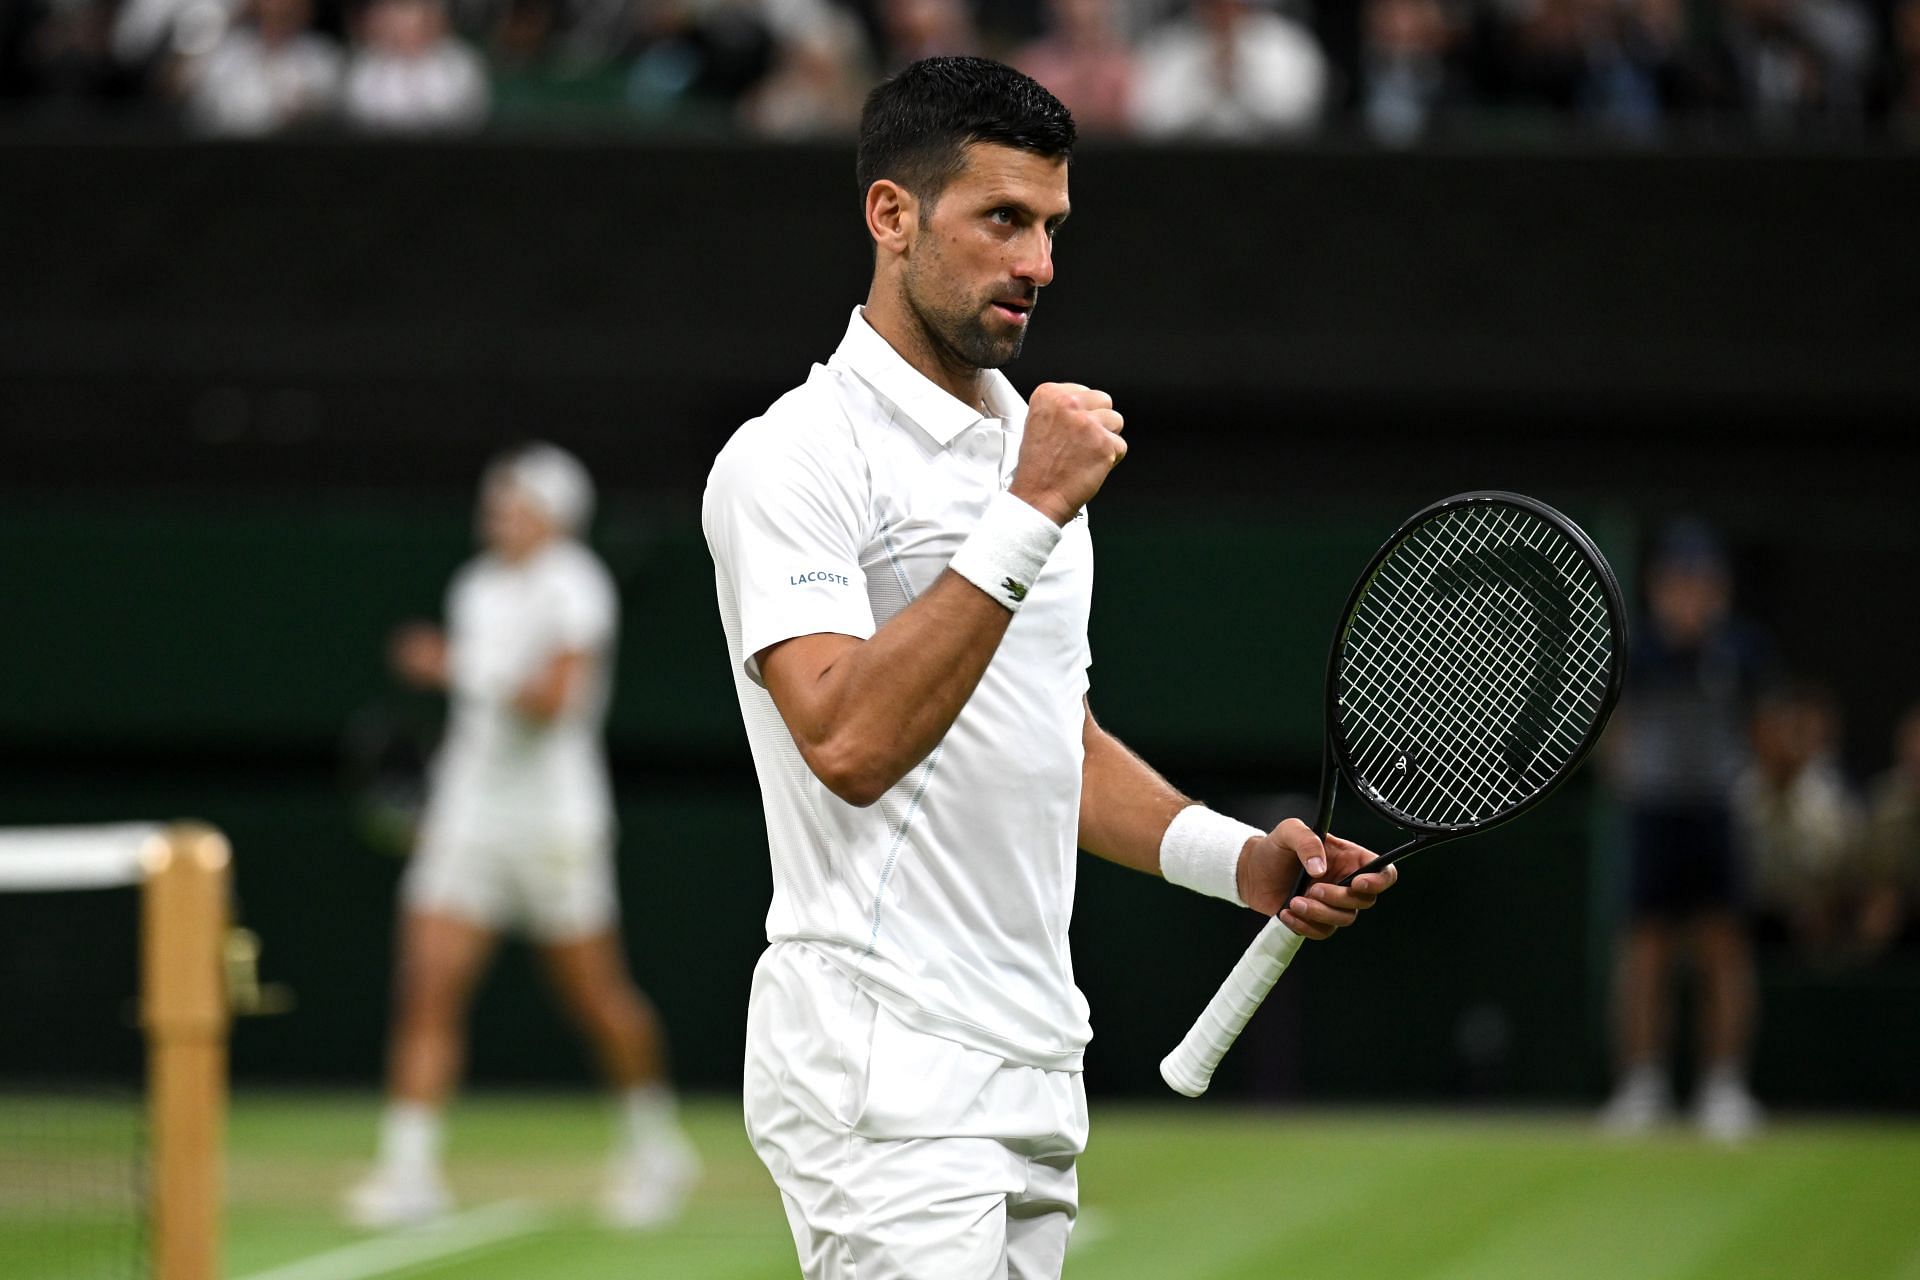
(43, 859)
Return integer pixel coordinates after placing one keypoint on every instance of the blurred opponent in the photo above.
(518, 835)
(904, 574)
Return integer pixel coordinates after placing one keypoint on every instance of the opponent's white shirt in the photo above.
(948, 899)
(497, 769)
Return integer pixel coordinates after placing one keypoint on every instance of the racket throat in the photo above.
(1323, 813)
(1389, 858)
(1329, 783)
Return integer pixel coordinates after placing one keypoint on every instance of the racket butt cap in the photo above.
(1182, 1078)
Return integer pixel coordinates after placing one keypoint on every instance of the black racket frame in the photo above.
(1336, 760)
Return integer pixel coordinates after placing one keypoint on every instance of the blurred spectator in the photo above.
(268, 74)
(697, 60)
(595, 32)
(1899, 89)
(1401, 70)
(1891, 846)
(1621, 67)
(147, 32)
(523, 34)
(543, 68)
(1085, 61)
(1801, 823)
(1406, 76)
(409, 75)
(1230, 69)
(916, 29)
(59, 53)
(1678, 742)
(818, 82)
(1642, 68)
(1789, 65)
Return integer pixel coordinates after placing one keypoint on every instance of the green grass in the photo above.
(1176, 1192)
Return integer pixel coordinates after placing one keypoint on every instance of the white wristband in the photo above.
(1201, 851)
(1004, 554)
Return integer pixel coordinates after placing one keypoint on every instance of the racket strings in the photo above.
(1475, 665)
(1507, 657)
(1496, 675)
(1500, 669)
(1446, 680)
(1456, 752)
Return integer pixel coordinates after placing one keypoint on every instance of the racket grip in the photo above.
(1189, 1068)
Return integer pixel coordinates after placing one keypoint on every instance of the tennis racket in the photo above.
(1476, 664)
(385, 752)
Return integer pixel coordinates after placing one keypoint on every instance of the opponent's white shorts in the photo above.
(552, 885)
(901, 1155)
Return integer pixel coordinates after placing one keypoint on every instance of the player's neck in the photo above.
(890, 317)
(519, 553)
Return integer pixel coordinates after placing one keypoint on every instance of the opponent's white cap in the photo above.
(553, 479)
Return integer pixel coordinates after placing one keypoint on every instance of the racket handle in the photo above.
(1189, 1068)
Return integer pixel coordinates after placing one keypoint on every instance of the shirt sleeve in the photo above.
(472, 670)
(586, 606)
(786, 516)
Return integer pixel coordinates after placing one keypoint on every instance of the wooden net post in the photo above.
(183, 1009)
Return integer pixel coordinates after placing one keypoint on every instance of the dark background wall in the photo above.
(245, 393)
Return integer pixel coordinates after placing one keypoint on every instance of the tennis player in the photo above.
(518, 835)
(904, 570)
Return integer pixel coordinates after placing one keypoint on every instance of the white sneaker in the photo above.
(385, 1199)
(1726, 1111)
(1641, 1104)
(649, 1186)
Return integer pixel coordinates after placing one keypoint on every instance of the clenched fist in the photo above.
(1072, 442)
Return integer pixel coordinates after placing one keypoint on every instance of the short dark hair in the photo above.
(918, 123)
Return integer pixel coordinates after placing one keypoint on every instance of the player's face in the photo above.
(984, 250)
(511, 525)
(1688, 603)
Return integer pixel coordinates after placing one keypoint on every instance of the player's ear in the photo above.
(893, 214)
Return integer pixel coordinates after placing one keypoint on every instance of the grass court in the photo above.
(1170, 1192)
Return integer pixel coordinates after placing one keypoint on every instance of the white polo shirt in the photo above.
(949, 899)
(497, 773)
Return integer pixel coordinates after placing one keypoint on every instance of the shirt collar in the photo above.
(928, 406)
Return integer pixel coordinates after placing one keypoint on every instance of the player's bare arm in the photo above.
(418, 655)
(552, 688)
(864, 712)
(1126, 806)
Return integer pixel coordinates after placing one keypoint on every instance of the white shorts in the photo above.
(901, 1155)
(552, 885)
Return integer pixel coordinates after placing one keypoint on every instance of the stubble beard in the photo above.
(958, 327)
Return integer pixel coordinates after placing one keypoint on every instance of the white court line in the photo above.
(479, 1229)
